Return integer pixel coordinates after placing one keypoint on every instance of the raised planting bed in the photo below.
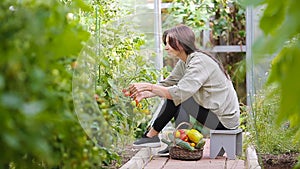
(280, 161)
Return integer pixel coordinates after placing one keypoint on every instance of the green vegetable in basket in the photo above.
(166, 141)
(200, 144)
(184, 144)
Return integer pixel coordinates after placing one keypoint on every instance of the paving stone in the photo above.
(235, 164)
(156, 163)
(192, 165)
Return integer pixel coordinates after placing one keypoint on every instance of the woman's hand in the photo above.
(136, 88)
(143, 95)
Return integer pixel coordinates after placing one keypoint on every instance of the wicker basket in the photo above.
(179, 153)
(184, 154)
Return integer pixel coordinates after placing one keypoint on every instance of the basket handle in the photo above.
(179, 125)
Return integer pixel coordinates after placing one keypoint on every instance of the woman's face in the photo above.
(169, 49)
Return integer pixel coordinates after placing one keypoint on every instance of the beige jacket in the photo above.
(201, 78)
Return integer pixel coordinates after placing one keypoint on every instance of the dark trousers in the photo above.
(182, 113)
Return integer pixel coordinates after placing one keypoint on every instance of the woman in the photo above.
(198, 84)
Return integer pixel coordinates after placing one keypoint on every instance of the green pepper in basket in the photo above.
(200, 144)
(184, 144)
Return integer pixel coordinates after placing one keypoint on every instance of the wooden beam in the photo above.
(233, 48)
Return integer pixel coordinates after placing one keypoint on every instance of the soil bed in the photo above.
(281, 161)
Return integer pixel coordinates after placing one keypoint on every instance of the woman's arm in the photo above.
(140, 91)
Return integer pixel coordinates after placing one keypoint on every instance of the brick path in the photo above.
(204, 163)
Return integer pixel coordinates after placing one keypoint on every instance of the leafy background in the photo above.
(281, 38)
(40, 45)
(278, 102)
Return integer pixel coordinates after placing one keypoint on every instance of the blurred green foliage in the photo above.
(40, 41)
(40, 44)
(279, 40)
(225, 18)
(189, 12)
(280, 37)
(264, 135)
(38, 127)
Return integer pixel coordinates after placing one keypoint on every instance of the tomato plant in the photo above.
(39, 42)
(109, 62)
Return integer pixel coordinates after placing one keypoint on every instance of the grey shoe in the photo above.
(147, 142)
(164, 152)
